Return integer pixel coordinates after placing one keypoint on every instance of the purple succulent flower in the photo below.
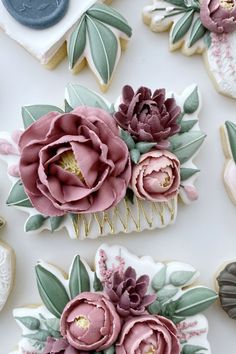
(128, 293)
(148, 117)
(59, 346)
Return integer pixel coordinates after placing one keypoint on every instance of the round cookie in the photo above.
(101, 303)
(106, 192)
(226, 281)
(7, 265)
(196, 29)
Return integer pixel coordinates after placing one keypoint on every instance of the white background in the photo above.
(205, 232)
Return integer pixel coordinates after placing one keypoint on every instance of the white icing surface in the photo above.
(142, 265)
(6, 273)
(125, 217)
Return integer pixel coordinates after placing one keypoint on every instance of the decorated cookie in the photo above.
(228, 135)
(205, 27)
(89, 31)
(97, 168)
(6, 270)
(227, 292)
(127, 305)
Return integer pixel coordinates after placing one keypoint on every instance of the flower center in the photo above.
(166, 181)
(151, 350)
(82, 322)
(68, 162)
(227, 4)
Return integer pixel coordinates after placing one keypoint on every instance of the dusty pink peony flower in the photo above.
(148, 334)
(148, 117)
(59, 346)
(129, 294)
(218, 16)
(74, 162)
(157, 176)
(90, 322)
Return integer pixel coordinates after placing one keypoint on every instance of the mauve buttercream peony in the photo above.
(148, 334)
(157, 176)
(74, 162)
(218, 16)
(90, 322)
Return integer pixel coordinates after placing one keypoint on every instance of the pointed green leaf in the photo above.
(167, 292)
(51, 290)
(108, 15)
(77, 95)
(40, 336)
(127, 138)
(155, 307)
(158, 281)
(231, 131)
(180, 3)
(186, 173)
(191, 104)
(79, 279)
(29, 322)
(104, 48)
(34, 222)
(32, 113)
(97, 284)
(192, 349)
(135, 155)
(110, 350)
(180, 278)
(207, 39)
(54, 324)
(144, 147)
(185, 145)
(18, 197)
(56, 222)
(182, 26)
(77, 43)
(68, 108)
(197, 32)
(194, 301)
(187, 125)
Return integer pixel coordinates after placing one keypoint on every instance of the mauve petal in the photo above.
(148, 300)
(138, 334)
(122, 312)
(130, 273)
(125, 301)
(44, 205)
(112, 295)
(127, 94)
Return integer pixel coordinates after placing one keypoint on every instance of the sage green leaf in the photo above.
(55, 222)
(182, 26)
(135, 155)
(144, 147)
(54, 324)
(187, 125)
(180, 278)
(191, 103)
(78, 95)
(18, 197)
(127, 138)
(34, 222)
(231, 131)
(192, 349)
(158, 281)
(185, 145)
(108, 15)
(207, 39)
(179, 3)
(41, 336)
(29, 322)
(167, 292)
(197, 32)
(77, 43)
(195, 301)
(186, 173)
(31, 114)
(155, 307)
(68, 108)
(104, 48)
(51, 290)
(110, 350)
(79, 279)
(97, 284)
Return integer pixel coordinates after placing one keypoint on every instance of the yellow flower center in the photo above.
(227, 4)
(68, 162)
(82, 322)
(151, 350)
(166, 182)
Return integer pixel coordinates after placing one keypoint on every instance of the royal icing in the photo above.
(227, 293)
(194, 29)
(146, 177)
(163, 300)
(91, 29)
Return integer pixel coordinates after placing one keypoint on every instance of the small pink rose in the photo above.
(148, 334)
(90, 322)
(157, 176)
(191, 193)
